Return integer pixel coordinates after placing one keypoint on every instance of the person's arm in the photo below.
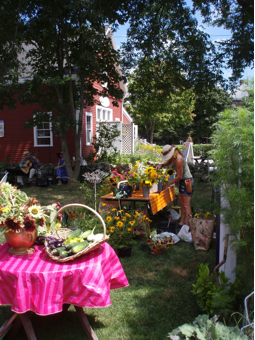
(158, 167)
(179, 170)
(63, 165)
(22, 163)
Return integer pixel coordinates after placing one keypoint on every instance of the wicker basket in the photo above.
(64, 232)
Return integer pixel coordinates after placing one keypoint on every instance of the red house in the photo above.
(14, 139)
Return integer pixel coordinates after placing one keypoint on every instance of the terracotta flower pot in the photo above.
(157, 252)
(21, 243)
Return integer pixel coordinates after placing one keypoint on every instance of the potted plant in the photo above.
(202, 226)
(22, 219)
(121, 227)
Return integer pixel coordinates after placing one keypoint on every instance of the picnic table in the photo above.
(36, 283)
(157, 201)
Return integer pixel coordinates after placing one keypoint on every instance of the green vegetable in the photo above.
(86, 234)
(54, 252)
(63, 253)
(71, 245)
(76, 249)
(74, 234)
(60, 248)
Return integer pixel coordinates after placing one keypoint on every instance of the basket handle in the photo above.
(82, 206)
(125, 181)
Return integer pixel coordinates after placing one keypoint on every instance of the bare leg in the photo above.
(181, 202)
(187, 208)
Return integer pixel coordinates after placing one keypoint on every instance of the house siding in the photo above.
(16, 139)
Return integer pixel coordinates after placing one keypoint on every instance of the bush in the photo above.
(233, 155)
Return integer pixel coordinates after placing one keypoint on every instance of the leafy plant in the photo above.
(215, 299)
(233, 155)
(207, 329)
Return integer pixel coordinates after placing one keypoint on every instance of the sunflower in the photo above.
(132, 223)
(108, 218)
(119, 224)
(124, 219)
(149, 170)
(153, 175)
(170, 172)
(129, 229)
(29, 224)
(35, 211)
(13, 224)
(114, 184)
(116, 217)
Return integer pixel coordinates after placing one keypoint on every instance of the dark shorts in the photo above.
(182, 187)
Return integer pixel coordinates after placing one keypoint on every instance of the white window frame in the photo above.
(107, 110)
(89, 114)
(50, 137)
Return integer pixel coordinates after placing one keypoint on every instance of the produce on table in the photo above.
(74, 243)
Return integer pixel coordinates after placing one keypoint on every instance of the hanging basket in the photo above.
(64, 232)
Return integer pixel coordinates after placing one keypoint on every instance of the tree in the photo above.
(167, 30)
(155, 100)
(67, 53)
(238, 17)
(208, 104)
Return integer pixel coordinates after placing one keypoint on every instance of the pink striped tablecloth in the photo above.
(37, 283)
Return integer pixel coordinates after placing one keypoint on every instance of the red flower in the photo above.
(11, 223)
(42, 221)
(29, 224)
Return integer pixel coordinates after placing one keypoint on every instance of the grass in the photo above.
(158, 298)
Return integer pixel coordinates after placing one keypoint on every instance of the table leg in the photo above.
(7, 325)
(15, 329)
(84, 321)
(27, 324)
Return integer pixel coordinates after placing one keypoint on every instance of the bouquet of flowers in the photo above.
(133, 175)
(115, 178)
(19, 212)
(158, 243)
(200, 214)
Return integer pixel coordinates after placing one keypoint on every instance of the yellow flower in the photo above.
(4, 209)
(103, 204)
(129, 229)
(57, 225)
(132, 223)
(144, 217)
(48, 228)
(114, 209)
(124, 219)
(135, 167)
(119, 224)
(112, 229)
(108, 218)
(127, 214)
(116, 217)
(153, 175)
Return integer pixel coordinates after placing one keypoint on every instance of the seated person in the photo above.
(61, 172)
(28, 165)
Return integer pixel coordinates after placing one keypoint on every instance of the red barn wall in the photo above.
(16, 139)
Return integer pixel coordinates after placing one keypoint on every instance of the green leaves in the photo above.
(204, 328)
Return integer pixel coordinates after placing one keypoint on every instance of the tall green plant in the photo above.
(233, 154)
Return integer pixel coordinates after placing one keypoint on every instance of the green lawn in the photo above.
(158, 298)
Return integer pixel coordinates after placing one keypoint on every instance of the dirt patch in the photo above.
(179, 271)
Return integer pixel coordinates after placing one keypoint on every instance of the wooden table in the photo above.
(157, 201)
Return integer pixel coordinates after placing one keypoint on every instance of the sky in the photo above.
(216, 33)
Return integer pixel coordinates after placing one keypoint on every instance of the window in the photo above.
(89, 128)
(43, 135)
(103, 114)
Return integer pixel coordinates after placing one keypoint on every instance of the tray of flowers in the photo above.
(64, 244)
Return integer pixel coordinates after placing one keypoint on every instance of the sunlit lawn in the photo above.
(158, 298)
